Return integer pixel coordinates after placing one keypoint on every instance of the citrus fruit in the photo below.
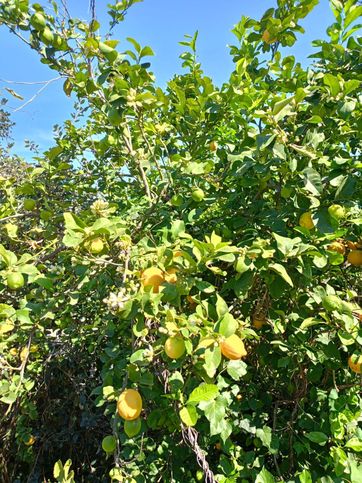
(177, 253)
(355, 363)
(129, 404)
(337, 212)
(198, 195)
(266, 37)
(24, 354)
(337, 246)
(177, 200)
(258, 321)
(171, 275)
(192, 302)
(175, 347)
(37, 21)
(355, 257)
(152, 277)
(30, 441)
(114, 116)
(132, 428)
(233, 347)
(29, 204)
(109, 444)
(96, 246)
(47, 36)
(213, 146)
(306, 220)
(199, 475)
(15, 281)
(46, 215)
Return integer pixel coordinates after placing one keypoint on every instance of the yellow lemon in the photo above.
(171, 275)
(306, 220)
(233, 347)
(337, 246)
(152, 277)
(355, 257)
(355, 363)
(129, 405)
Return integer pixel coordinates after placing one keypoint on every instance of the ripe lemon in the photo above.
(233, 347)
(337, 246)
(177, 253)
(109, 444)
(171, 275)
(192, 302)
(129, 404)
(355, 257)
(337, 212)
(213, 146)
(152, 277)
(175, 347)
(355, 363)
(266, 37)
(306, 220)
(15, 281)
(198, 195)
(258, 321)
(132, 428)
(30, 441)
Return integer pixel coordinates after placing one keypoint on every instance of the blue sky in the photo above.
(158, 23)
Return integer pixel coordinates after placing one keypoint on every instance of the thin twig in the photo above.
(37, 93)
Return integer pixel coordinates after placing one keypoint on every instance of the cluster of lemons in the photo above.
(336, 212)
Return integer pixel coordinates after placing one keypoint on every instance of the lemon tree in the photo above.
(180, 272)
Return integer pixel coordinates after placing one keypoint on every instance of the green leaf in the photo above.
(212, 360)
(286, 245)
(280, 270)
(189, 416)
(236, 369)
(227, 325)
(221, 306)
(333, 83)
(204, 392)
(72, 239)
(355, 444)
(317, 437)
(313, 181)
(305, 477)
(73, 222)
(264, 477)
(215, 411)
(265, 435)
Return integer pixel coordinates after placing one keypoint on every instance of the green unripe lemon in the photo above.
(15, 281)
(109, 444)
(47, 36)
(337, 212)
(38, 21)
(45, 215)
(198, 195)
(175, 347)
(132, 428)
(199, 475)
(177, 200)
(114, 116)
(29, 204)
(96, 246)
